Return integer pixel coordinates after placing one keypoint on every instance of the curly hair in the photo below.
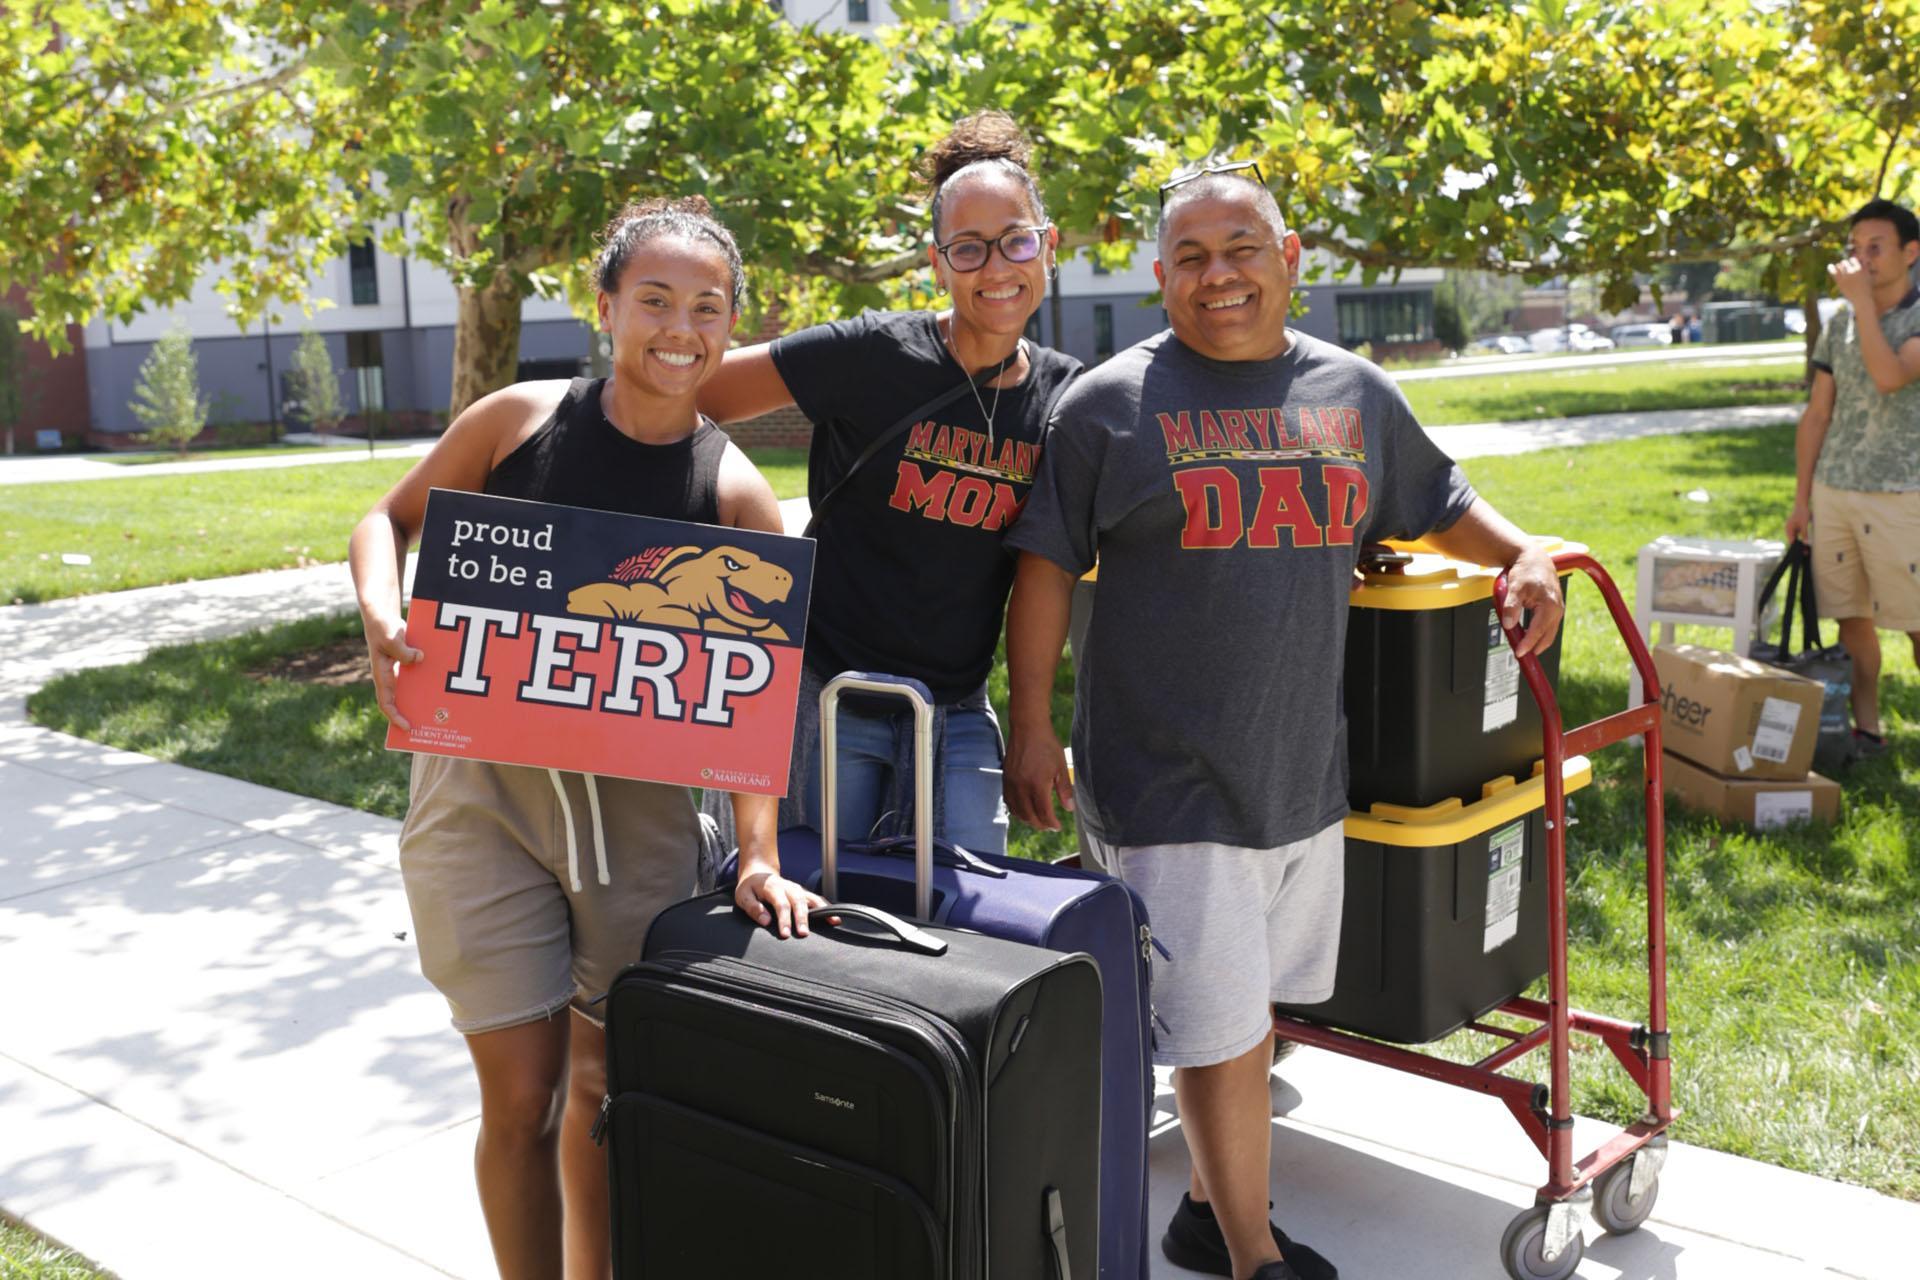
(983, 138)
(643, 220)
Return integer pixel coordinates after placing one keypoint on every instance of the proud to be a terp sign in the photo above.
(602, 643)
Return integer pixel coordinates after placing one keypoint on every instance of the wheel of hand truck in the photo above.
(1614, 1207)
(1523, 1249)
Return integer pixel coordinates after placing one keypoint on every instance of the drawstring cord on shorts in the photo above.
(599, 830)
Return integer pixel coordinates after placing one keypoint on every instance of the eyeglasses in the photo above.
(1211, 171)
(1022, 244)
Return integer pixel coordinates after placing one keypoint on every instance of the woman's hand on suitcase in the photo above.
(770, 898)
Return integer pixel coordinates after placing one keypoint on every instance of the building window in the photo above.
(1102, 330)
(360, 270)
(857, 11)
(1386, 317)
(1101, 269)
(367, 361)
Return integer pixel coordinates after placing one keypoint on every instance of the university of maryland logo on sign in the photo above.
(602, 643)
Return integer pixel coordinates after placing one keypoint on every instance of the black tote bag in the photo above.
(1829, 664)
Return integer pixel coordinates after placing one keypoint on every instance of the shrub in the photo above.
(167, 397)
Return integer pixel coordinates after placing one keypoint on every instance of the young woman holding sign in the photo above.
(506, 927)
(927, 428)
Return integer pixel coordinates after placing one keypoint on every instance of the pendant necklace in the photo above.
(954, 348)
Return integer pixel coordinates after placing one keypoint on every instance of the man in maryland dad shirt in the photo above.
(1225, 474)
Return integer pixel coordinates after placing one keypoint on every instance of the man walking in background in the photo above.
(1858, 454)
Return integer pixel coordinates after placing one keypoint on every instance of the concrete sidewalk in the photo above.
(29, 469)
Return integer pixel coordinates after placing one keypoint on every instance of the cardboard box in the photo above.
(1734, 716)
(1758, 804)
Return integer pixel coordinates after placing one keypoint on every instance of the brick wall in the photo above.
(783, 428)
(53, 389)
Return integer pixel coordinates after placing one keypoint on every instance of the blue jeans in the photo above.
(976, 816)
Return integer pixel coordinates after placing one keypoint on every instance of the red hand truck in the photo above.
(1620, 1180)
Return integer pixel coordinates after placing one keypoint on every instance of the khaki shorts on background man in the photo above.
(1866, 555)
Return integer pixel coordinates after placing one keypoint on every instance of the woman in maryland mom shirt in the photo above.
(911, 577)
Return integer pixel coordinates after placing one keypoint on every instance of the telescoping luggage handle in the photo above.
(921, 699)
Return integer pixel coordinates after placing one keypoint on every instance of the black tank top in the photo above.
(579, 459)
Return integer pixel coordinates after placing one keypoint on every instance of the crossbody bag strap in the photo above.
(892, 433)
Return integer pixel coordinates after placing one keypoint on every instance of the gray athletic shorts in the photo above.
(1242, 928)
(502, 929)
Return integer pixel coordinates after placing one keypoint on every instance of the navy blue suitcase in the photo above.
(1060, 908)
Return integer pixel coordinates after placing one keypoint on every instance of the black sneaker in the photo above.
(1193, 1241)
(1276, 1271)
(1868, 744)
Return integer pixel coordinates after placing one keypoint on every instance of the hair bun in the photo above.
(695, 205)
(984, 135)
(642, 220)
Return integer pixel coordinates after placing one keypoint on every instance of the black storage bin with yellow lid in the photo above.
(1445, 913)
(1435, 701)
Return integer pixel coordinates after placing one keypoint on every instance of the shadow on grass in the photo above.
(197, 705)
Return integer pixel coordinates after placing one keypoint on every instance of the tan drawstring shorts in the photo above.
(485, 855)
(1866, 556)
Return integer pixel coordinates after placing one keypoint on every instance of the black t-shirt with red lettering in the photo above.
(1227, 503)
(911, 577)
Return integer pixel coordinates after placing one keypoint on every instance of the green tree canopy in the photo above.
(155, 138)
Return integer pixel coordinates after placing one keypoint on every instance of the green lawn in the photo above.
(1565, 393)
(148, 530)
(1795, 955)
(145, 530)
(25, 1256)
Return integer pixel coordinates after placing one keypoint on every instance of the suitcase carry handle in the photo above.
(944, 852)
(921, 699)
(917, 939)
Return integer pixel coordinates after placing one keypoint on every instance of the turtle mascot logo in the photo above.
(718, 589)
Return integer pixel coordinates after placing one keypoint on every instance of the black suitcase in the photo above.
(880, 1101)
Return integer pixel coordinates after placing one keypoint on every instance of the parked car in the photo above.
(1642, 335)
(1500, 344)
(1571, 337)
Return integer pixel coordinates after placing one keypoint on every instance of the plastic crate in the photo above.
(1445, 911)
(1435, 704)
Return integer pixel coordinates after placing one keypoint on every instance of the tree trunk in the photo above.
(1810, 308)
(486, 342)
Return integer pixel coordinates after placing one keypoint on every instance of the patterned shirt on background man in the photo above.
(1873, 442)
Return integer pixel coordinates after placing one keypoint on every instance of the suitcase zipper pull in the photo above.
(599, 1129)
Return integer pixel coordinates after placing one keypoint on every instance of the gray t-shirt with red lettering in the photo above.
(1226, 504)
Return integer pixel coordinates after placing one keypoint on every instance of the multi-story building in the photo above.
(389, 328)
